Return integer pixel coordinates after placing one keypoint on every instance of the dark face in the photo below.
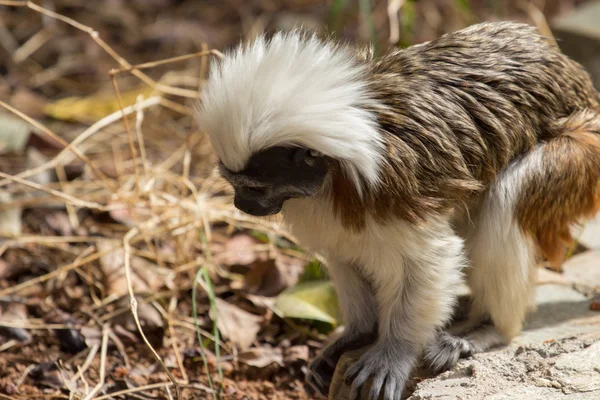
(275, 175)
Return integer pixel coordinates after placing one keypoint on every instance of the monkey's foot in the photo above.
(387, 365)
(445, 351)
(322, 368)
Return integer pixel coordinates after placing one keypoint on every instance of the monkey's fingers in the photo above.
(382, 370)
(320, 374)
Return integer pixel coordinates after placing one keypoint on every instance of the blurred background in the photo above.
(228, 306)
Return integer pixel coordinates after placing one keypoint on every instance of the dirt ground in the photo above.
(137, 208)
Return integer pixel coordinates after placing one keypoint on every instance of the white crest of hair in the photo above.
(293, 89)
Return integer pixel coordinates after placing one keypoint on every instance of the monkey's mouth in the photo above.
(258, 210)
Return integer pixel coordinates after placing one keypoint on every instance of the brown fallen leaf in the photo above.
(271, 277)
(143, 272)
(48, 374)
(10, 217)
(296, 355)
(125, 213)
(12, 313)
(59, 222)
(71, 340)
(239, 250)
(237, 325)
(28, 102)
(150, 320)
(261, 357)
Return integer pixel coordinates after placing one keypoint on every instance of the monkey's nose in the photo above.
(248, 206)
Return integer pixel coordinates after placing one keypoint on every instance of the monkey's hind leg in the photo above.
(359, 312)
(527, 211)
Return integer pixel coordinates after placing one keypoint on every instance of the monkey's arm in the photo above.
(359, 311)
(414, 280)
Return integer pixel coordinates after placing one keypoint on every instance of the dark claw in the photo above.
(445, 351)
(388, 367)
(323, 367)
(320, 375)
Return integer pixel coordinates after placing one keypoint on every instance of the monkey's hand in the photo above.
(322, 368)
(389, 366)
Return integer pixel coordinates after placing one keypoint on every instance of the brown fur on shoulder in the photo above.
(455, 111)
(565, 189)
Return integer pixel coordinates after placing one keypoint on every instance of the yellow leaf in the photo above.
(92, 108)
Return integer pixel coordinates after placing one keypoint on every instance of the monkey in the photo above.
(465, 158)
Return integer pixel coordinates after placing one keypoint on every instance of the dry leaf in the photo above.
(95, 107)
(261, 357)
(35, 159)
(237, 325)
(14, 133)
(295, 354)
(60, 223)
(239, 250)
(71, 340)
(150, 320)
(28, 102)
(14, 313)
(271, 277)
(10, 218)
(144, 277)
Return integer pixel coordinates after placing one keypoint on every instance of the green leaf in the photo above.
(313, 271)
(313, 300)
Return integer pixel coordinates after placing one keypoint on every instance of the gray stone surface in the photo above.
(578, 35)
(584, 269)
(556, 357)
(590, 237)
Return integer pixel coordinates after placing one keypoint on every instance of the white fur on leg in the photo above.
(414, 269)
(502, 257)
(360, 323)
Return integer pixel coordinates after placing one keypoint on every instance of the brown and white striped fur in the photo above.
(473, 154)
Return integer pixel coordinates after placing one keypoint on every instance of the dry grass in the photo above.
(161, 205)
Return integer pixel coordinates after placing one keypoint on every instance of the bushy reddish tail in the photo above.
(564, 189)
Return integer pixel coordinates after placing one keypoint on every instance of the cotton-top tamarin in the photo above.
(478, 149)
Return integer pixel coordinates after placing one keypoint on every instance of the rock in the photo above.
(579, 371)
(584, 269)
(561, 312)
(557, 356)
(590, 237)
(578, 36)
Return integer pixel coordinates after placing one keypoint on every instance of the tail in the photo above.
(563, 188)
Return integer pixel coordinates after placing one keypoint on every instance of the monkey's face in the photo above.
(275, 175)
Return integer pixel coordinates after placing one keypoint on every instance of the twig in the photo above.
(151, 386)
(24, 375)
(32, 45)
(127, 129)
(60, 140)
(86, 364)
(64, 196)
(96, 38)
(134, 304)
(393, 9)
(50, 275)
(152, 64)
(100, 384)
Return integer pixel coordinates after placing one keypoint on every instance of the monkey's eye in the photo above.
(305, 155)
